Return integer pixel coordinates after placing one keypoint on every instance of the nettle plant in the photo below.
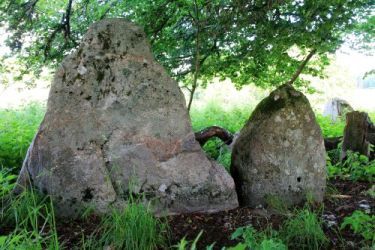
(362, 224)
(355, 167)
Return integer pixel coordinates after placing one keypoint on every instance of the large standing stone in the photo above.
(280, 151)
(115, 123)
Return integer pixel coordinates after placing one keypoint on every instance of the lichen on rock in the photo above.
(280, 151)
(116, 123)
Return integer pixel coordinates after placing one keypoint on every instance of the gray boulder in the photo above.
(336, 108)
(116, 123)
(280, 152)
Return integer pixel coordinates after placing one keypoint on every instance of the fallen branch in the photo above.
(214, 131)
(341, 196)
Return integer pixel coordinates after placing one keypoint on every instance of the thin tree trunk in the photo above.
(194, 87)
(302, 66)
(197, 62)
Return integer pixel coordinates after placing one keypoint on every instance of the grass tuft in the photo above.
(134, 227)
(304, 231)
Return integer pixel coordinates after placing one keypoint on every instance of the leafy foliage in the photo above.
(355, 167)
(264, 240)
(363, 36)
(330, 128)
(248, 42)
(362, 224)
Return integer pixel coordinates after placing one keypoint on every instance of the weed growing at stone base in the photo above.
(133, 227)
(33, 219)
(303, 230)
(258, 240)
(185, 244)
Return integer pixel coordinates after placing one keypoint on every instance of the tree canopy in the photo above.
(264, 42)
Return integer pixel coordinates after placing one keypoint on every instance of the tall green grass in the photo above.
(17, 129)
(33, 219)
(133, 227)
(304, 231)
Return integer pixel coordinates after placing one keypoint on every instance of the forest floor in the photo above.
(342, 198)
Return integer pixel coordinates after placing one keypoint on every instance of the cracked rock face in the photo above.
(117, 123)
(280, 152)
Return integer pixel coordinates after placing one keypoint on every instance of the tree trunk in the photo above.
(197, 55)
(356, 134)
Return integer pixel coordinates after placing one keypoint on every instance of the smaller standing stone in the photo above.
(280, 152)
(336, 108)
(356, 134)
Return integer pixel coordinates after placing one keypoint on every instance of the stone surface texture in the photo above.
(280, 152)
(356, 134)
(116, 123)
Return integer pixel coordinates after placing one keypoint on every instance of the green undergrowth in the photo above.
(250, 238)
(17, 129)
(362, 224)
(355, 167)
(33, 221)
(301, 229)
(133, 227)
(330, 128)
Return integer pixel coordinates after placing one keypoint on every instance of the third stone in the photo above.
(280, 152)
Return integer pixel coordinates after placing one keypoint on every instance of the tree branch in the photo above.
(29, 8)
(66, 22)
(301, 67)
(214, 131)
(113, 4)
(64, 26)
